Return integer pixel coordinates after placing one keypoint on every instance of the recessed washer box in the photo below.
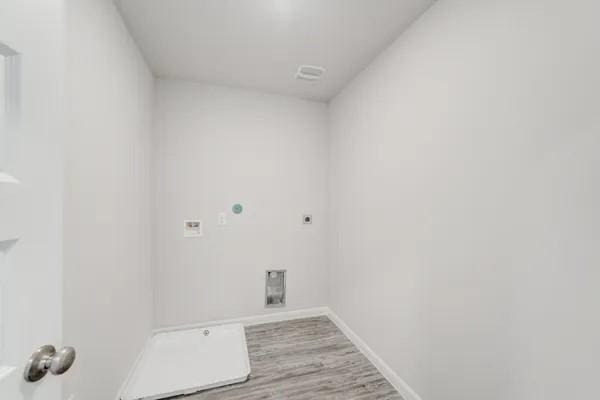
(192, 228)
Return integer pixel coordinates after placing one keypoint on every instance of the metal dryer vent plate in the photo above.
(275, 288)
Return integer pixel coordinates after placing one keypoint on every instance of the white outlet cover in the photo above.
(222, 218)
(192, 228)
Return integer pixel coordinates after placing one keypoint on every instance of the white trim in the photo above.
(121, 393)
(399, 384)
(9, 179)
(252, 320)
(9, 185)
(6, 371)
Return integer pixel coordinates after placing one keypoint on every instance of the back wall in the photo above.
(217, 146)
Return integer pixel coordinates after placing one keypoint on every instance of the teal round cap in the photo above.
(237, 208)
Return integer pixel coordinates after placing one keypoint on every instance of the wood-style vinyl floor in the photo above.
(304, 359)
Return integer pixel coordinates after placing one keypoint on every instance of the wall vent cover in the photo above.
(309, 72)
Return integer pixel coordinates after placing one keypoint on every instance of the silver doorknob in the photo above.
(45, 359)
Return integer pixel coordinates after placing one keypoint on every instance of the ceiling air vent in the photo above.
(309, 72)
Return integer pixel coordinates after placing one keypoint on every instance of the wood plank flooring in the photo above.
(304, 359)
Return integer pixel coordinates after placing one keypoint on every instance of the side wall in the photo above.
(465, 223)
(107, 239)
(217, 146)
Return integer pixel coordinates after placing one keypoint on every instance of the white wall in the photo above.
(465, 219)
(107, 276)
(215, 147)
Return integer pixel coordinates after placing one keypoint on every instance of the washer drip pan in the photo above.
(189, 361)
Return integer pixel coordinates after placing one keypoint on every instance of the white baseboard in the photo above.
(122, 390)
(399, 384)
(253, 320)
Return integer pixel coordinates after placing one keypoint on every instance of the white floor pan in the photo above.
(188, 361)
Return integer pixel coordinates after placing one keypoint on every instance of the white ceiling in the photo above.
(259, 44)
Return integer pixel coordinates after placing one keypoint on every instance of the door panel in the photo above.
(31, 40)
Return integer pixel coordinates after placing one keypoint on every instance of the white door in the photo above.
(31, 82)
